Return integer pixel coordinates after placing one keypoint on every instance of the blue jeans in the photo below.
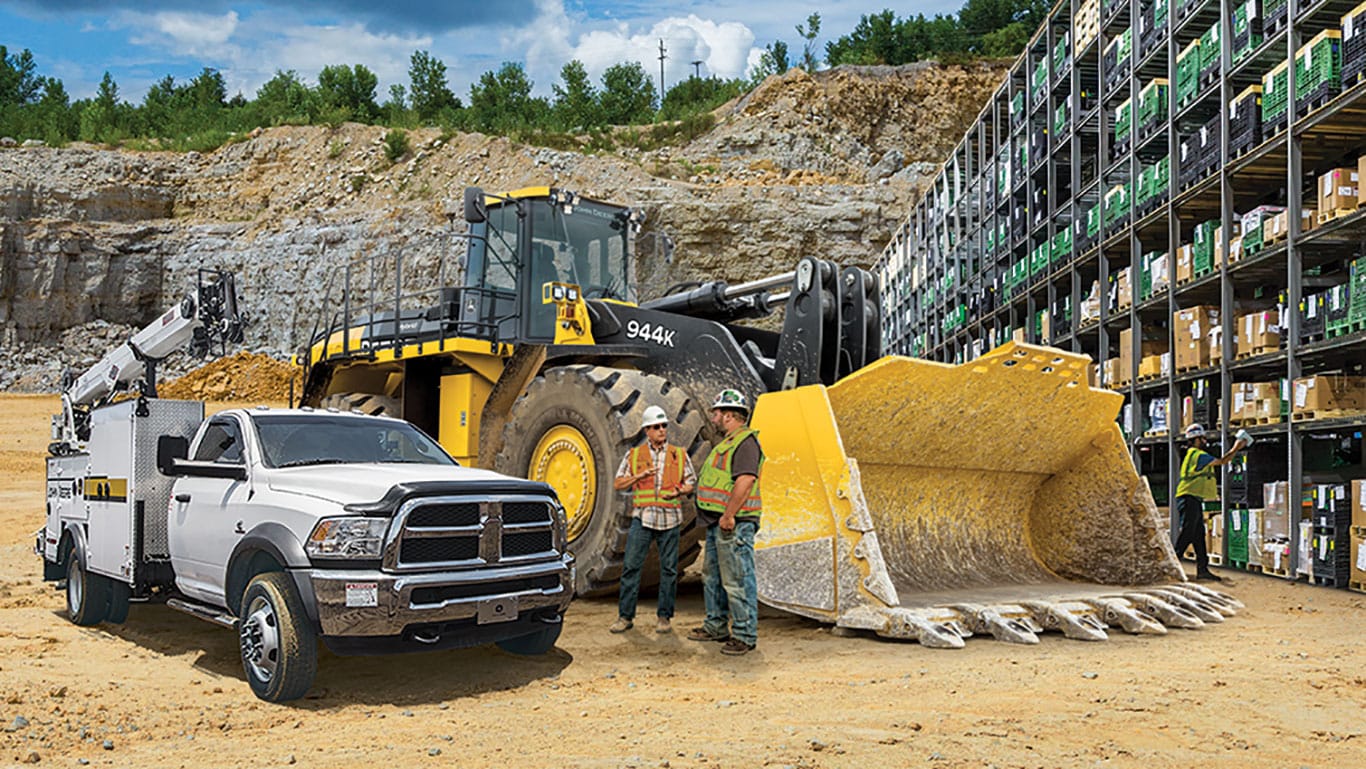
(728, 585)
(637, 547)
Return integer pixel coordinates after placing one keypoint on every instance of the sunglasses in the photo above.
(656, 427)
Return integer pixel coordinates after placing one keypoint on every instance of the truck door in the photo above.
(206, 514)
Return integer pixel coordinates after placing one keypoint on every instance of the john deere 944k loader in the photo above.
(911, 498)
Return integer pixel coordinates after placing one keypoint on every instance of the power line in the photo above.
(661, 70)
(696, 67)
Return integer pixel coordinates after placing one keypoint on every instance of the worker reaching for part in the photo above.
(912, 498)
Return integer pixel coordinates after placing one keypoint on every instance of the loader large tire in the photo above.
(366, 403)
(570, 429)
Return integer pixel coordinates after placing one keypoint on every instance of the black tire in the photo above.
(533, 644)
(605, 405)
(365, 403)
(278, 643)
(120, 595)
(87, 595)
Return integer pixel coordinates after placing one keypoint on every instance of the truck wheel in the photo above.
(279, 645)
(570, 429)
(365, 403)
(87, 595)
(120, 594)
(533, 644)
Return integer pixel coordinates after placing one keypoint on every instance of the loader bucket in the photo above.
(929, 501)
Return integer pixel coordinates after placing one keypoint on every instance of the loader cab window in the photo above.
(585, 246)
(222, 443)
(491, 265)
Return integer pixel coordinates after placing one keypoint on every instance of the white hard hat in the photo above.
(731, 399)
(654, 415)
(1195, 431)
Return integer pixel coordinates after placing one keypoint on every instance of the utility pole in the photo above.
(661, 71)
(697, 68)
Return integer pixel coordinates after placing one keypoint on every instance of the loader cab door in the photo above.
(513, 256)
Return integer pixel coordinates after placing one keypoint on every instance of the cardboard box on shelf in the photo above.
(1338, 190)
(1258, 333)
(1278, 226)
(1215, 337)
(1185, 263)
(1358, 578)
(1320, 395)
(1275, 519)
(1235, 249)
(1214, 536)
(1191, 327)
(1150, 366)
(1359, 504)
(1125, 289)
(1361, 174)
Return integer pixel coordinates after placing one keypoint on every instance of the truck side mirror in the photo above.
(475, 210)
(170, 449)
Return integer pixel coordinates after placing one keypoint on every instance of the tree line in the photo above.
(198, 113)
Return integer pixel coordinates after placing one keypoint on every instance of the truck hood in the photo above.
(359, 483)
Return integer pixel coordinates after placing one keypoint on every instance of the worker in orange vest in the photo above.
(659, 475)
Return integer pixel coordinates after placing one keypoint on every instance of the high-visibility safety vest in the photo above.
(644, 493)
(715, 482)
(1197, 483)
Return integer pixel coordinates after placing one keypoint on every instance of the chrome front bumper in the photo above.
(376, 603)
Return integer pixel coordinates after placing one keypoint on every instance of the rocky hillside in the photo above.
(94, 242)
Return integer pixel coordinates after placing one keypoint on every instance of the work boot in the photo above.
(735, 647)
(663, 625)
(1207, 576)
(701, 634)
(621, 625)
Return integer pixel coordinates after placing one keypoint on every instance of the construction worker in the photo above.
(1197, 486)
(659, 476)
(728, 504)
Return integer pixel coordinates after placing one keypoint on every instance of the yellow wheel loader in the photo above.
(910, 498)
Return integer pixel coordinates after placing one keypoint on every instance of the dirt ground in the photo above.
(1281, 685)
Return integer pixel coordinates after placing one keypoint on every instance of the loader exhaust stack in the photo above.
(932, 502)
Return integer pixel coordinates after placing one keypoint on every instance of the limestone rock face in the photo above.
(94, 242)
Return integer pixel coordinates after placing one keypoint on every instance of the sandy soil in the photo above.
(1281, 685)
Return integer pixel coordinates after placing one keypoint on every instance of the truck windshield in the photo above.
(319, 439)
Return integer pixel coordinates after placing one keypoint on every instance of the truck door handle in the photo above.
(182, 497)
(239, 529)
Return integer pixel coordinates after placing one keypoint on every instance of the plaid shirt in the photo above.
(659, 518)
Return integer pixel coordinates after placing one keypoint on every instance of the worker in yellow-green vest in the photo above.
(1198, 485)
(728, 504)
(659, 475)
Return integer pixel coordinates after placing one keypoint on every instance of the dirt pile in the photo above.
(244, 376)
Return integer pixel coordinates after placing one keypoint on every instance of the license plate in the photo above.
(495, 610)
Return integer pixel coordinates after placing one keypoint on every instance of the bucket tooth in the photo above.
(1212, 593)
(1076, 620)
(1197, 607)
(1121, 612)
(1010, 624)
(934, 628)
(1169, 614)
(1211, 599)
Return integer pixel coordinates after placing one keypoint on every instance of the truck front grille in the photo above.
(461, 532)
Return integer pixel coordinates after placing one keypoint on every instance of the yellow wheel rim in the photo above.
(563, 459)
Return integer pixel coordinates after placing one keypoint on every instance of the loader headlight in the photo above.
(347, 538)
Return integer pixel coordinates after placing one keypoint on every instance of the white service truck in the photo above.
(292, 525)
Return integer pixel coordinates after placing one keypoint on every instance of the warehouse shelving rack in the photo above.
(1041, 159)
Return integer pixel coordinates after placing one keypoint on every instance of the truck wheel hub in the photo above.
(563, 459)
(260, 636)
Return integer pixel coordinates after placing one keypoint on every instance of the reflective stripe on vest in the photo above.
(1197, 483)
(715, 482)
(644, 493)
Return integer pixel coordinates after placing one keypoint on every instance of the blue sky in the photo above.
(141, 41)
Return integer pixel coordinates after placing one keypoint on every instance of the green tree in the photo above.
(809, 32)
(628, 95)
(576, 101)
(19, 83)
(501, 101)
(53, 119)
(877, 39)
(350, 91)
(284, 100)
(427, 87)
(100, 116)
(697, 95)
(773, 61)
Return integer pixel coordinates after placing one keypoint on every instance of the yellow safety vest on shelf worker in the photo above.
(644, 493)
(715, 482)
(1197, 483)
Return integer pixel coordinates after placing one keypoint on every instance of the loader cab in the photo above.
(521, 241)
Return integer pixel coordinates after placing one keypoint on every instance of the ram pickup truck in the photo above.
(293, 526)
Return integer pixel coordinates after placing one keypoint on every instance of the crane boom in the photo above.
(208, 315)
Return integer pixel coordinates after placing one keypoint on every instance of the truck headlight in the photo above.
(347, 538)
